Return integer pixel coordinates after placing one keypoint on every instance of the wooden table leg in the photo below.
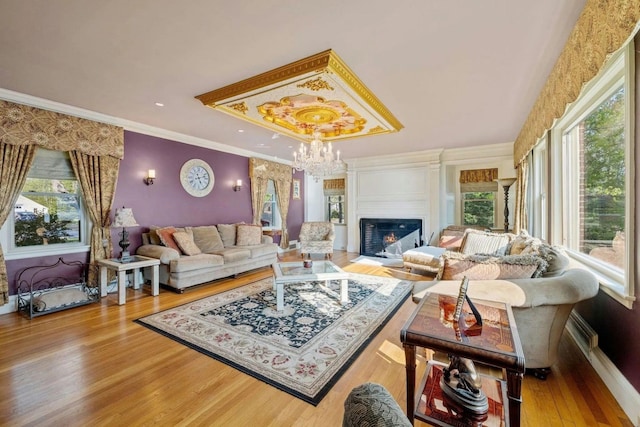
(514, 393)
(155, 284)
(122, 287)
(410, 363)
(103, 281)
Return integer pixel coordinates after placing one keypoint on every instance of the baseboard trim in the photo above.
(11, 306)
(621, 389)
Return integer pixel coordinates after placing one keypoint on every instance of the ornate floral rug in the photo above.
(302, 350)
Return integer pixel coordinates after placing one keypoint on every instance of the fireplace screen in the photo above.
(389, 238)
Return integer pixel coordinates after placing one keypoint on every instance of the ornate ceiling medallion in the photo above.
(315, 94)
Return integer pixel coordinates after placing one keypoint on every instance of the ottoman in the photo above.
(425, 258)
(371, 404)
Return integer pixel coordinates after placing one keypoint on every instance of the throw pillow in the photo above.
(207, 238)
(228, 234)
(484, 242)
(154, 239)
(249, 235)
(487, 267)
(451, 243)
(185, 242)
(166, 237)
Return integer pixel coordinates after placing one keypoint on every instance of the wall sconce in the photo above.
(238, 185)
(151, 175)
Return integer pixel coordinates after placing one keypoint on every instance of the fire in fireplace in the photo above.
(389, 238)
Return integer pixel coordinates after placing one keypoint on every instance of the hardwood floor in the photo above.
(93, 365)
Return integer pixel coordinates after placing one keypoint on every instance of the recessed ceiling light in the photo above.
(240, 130)
(275, 136)
(159, 104)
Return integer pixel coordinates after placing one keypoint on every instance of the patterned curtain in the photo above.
(22, 126)
(520, 220)
(260, 172)
(15, 162)
(98, 177)
(603, 27)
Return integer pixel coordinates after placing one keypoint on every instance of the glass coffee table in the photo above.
(292, 272)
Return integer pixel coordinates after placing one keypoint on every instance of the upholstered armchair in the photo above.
(317, 238)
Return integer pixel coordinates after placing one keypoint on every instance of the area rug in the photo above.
(302, 350)
(378, 261)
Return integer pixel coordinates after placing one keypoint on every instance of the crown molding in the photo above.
(129, 125)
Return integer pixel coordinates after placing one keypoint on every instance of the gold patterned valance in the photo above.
(25, 125)
(333, 187)
(478, 175)
(603, 27)
(260, 168)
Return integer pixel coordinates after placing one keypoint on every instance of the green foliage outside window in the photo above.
(41, 229)
(478, 208)
(604, 172)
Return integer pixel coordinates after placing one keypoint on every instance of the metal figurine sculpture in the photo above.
(460, 381)
(462, 384)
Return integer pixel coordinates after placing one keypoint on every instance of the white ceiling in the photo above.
(456, 73)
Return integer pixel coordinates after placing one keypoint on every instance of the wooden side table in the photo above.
(495, 343)
(137, 262)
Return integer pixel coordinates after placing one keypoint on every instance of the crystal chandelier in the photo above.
(318, 160)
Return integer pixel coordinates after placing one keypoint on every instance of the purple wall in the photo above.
(166, 202)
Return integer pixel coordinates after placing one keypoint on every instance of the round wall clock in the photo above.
(197, 177)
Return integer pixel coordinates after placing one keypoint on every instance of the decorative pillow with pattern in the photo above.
(166, 237)
(484, 242)
(185, 242)
(456, 266)
(248, 235)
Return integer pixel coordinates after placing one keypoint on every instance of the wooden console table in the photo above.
(495, 343)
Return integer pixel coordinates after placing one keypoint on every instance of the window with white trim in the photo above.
(593, 155)
(49, 216)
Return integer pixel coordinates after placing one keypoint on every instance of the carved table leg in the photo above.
(410, 363)
(514, 393)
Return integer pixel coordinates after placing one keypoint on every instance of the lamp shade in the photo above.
(124, 218)
(506, 182)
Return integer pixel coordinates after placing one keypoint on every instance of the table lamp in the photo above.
(124, 218)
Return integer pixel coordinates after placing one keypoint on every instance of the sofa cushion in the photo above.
(248, 235)
(228, 234)
(234, 254)
(456, 266)
(166, 237)
(196, 262)
(484, 242)
(261, 249)
(186, 244)
(207, 238)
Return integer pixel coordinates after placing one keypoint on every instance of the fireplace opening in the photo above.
(389, 238)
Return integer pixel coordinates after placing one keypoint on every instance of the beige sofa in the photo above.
(541, 304)
(194, 255)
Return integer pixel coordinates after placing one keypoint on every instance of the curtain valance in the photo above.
(333, 187)
(260, 168)
(478, 175)
(603, 27)
(25, 125)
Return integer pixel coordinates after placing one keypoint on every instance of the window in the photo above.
(478, 208)
(335, 209)
(48, 216)
(270, 213)
(538, 197)
(478, 189)
(334, 198)
(594, 152)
